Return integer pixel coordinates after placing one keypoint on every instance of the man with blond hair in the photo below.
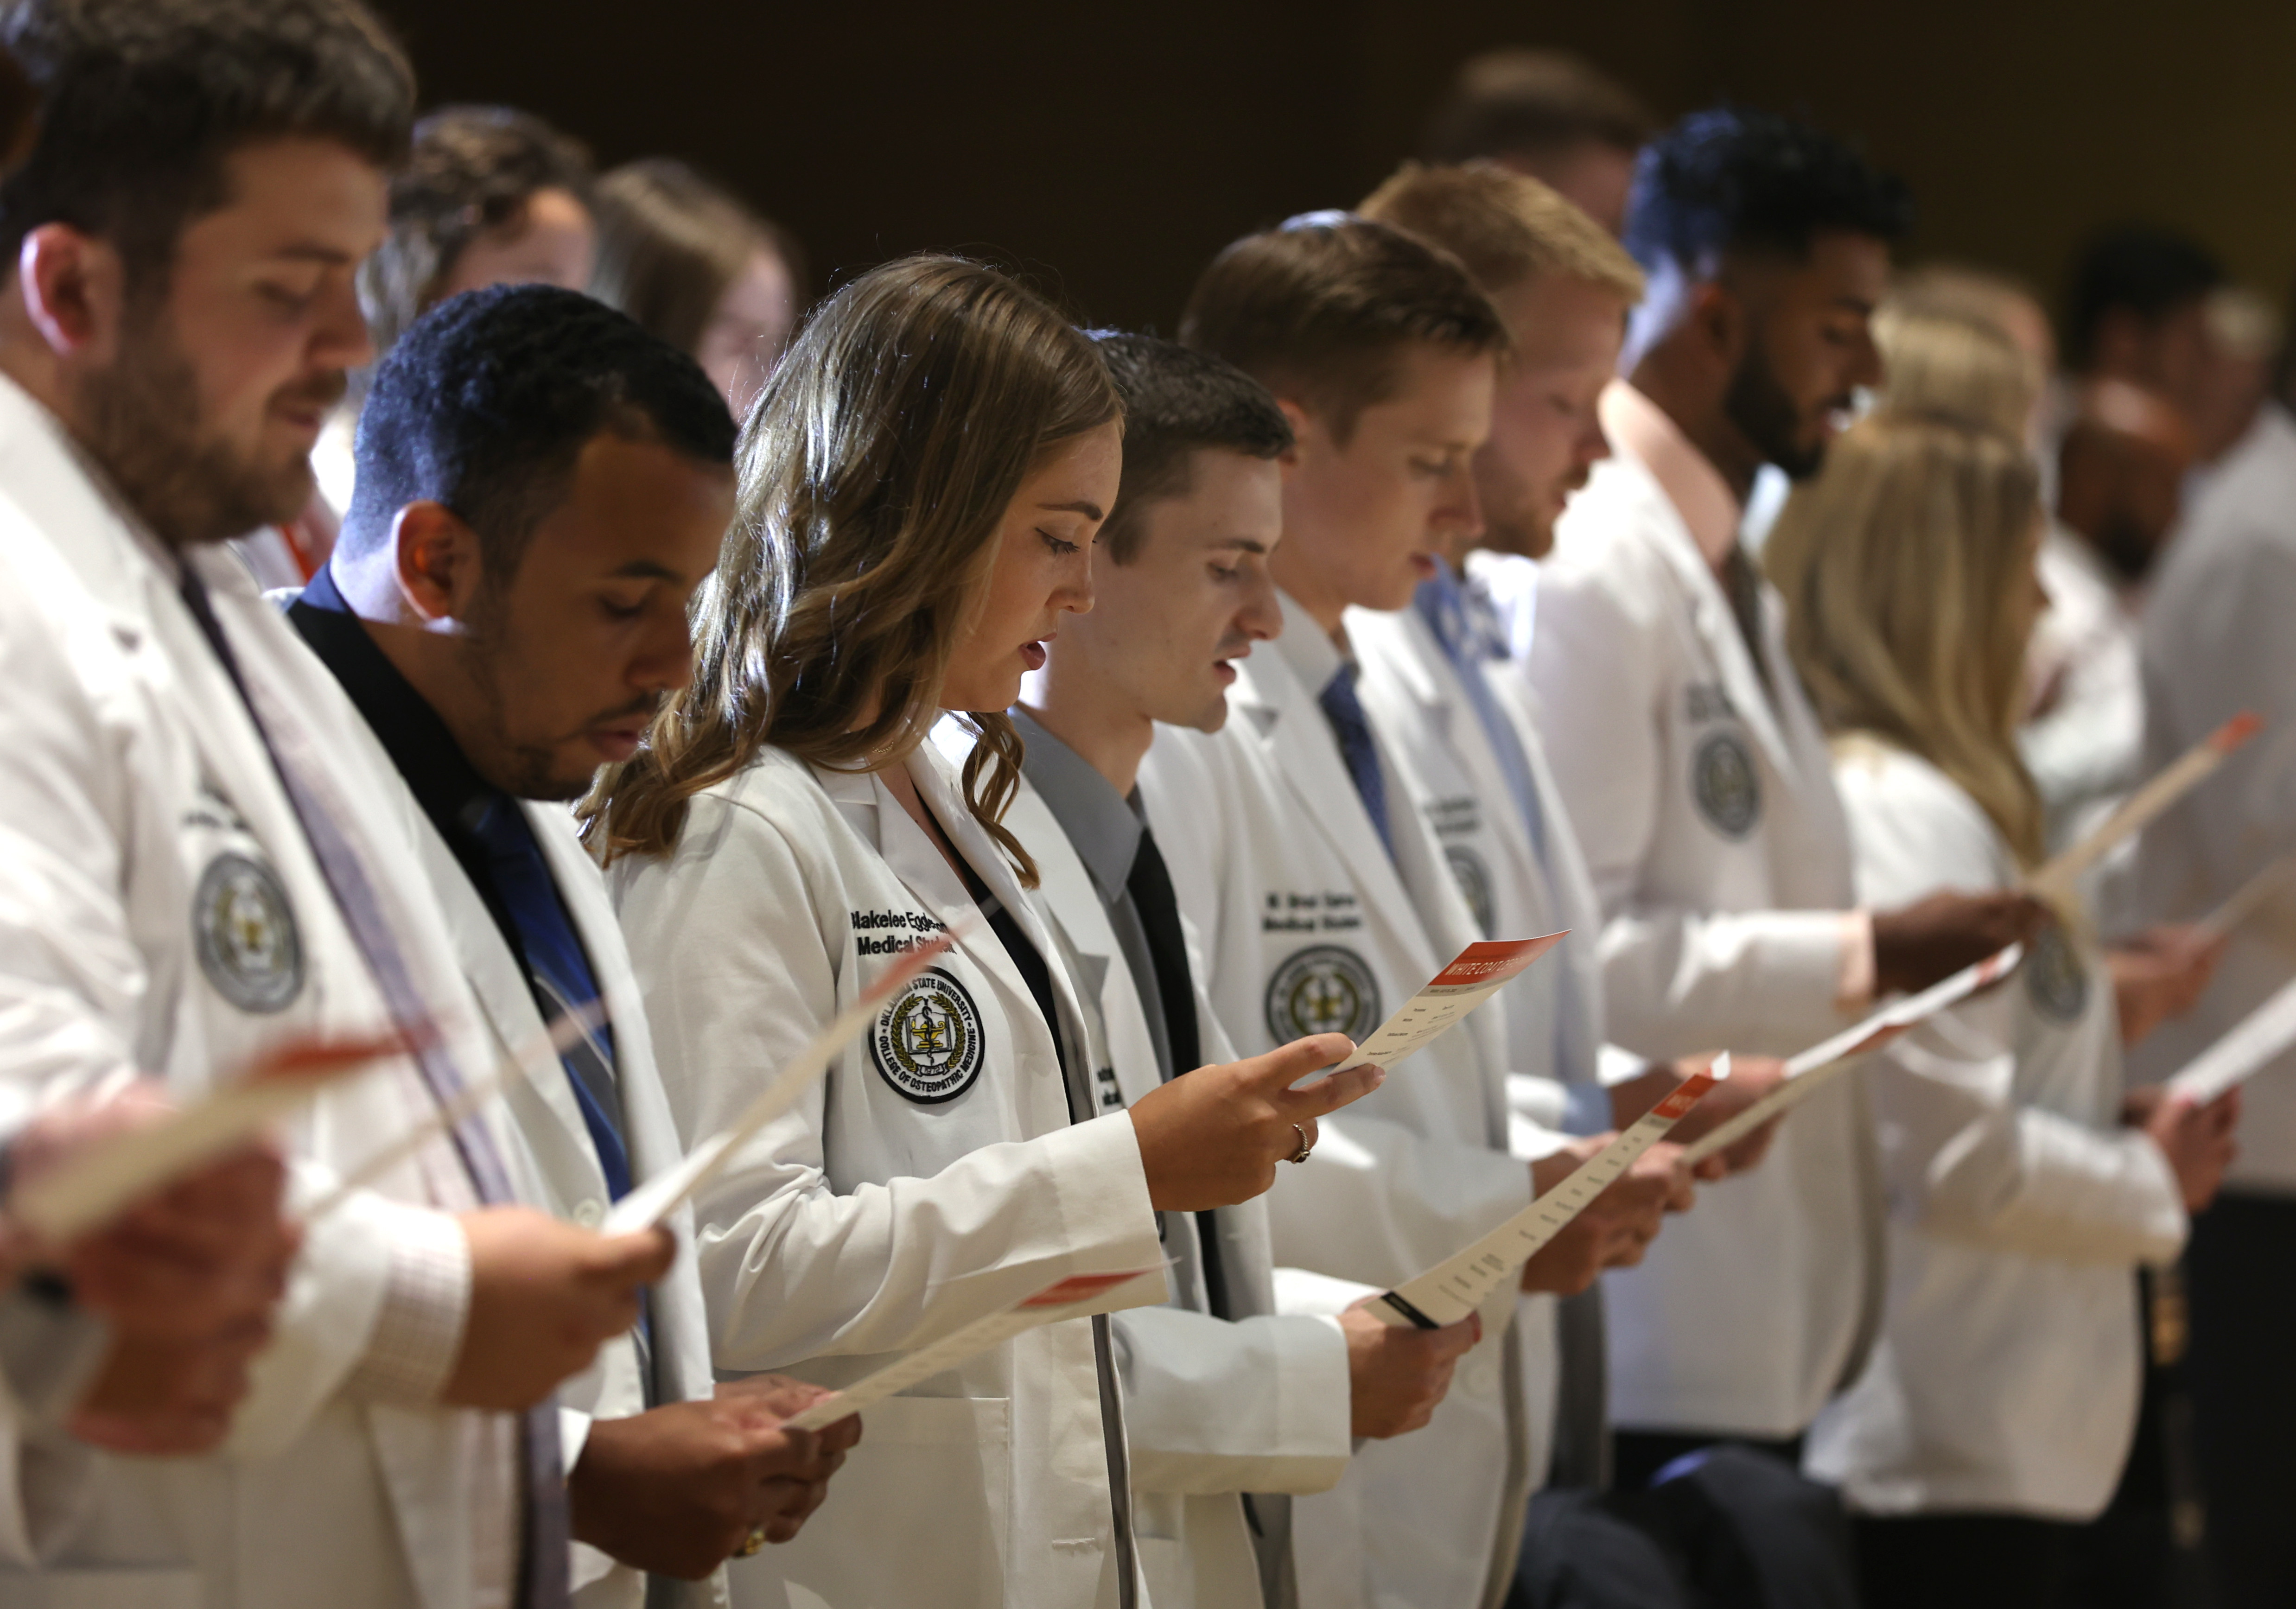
(1442, 692)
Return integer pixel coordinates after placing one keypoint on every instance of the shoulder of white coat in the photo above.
(775, 808)
(1914, 829)
(1607, 557)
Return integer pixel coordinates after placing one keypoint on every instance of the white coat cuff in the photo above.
(1313, 1382)
(418, 1334)
(1303, 1291)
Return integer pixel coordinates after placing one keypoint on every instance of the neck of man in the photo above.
(1294, 567)
(426, 653)
(1679, 382)
(1088, 713)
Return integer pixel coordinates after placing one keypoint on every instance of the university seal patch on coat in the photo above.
(927, 1044)
(1325, 989)
(1723, 782)
(2056, 980)
(244, 931)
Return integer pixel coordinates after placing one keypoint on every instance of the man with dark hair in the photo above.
(1186, 592)
(543, 485)
(1549, 115)
(1700, 782)
(2135, 308)
(1324, 898)
(202, 867)
(487, 195)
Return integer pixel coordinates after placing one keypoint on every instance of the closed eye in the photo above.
(1061, 548)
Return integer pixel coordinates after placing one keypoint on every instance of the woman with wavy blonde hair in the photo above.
(920, 484)
(1997, 1411)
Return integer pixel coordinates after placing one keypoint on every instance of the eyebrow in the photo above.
(1241, 544)
(315, 254)
(648, 569)
(1090, 511)
(1855, 304)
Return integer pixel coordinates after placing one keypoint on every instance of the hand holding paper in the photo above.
(1474, 975)
(1073, 1298)
(98, 1181)
(1461, 1282)
(1811, 1070)
(2058, 882)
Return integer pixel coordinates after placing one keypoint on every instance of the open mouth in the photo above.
(1032, 654)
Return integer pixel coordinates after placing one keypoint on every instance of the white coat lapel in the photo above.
(1717, 628)
(1306, 757)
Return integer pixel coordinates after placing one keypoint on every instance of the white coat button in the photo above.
(590, 1214)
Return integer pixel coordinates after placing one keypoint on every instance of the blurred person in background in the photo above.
(490, 195)
(2216, 641)
(1699, 782)
(1550, 115)
(695, 266)
(1996, 1414)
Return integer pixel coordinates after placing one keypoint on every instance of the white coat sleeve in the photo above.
(731, 943)
(1963, 1158)
(1213, 1405)
(1676, 979)
(2230, 650)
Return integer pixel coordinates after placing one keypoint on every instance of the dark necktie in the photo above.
(544, 1569)
(1352, 727)
(559, 969)
(1150, 886)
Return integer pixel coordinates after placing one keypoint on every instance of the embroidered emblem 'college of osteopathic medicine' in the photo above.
(927, 1044)
(245, 932)
(1723, 782)
(1325, 989)
(2056, 980)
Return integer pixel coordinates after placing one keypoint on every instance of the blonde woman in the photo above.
(920, 484)
(2025, 1190)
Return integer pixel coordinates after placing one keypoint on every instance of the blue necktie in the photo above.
(1443, 605)
(1349, 725)
(545, 1563)
(561, 972)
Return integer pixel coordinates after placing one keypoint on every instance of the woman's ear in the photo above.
(436, 563)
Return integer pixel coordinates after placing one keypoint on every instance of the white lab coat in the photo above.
(133, 774)
(563, 1160)
(865, 1223)
(1212, 1408)
(1276, 862)
(1707, 812)
(2085, 748)
(2007, 1376)
(2216, 642)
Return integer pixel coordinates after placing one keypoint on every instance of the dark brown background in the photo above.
(1110, 149)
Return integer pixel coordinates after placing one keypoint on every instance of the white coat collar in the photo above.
(1711, 615)
(1284, 716)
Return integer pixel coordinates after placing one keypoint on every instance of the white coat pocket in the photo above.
(935, 1475)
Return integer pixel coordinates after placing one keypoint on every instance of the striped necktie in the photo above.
(545, 1563)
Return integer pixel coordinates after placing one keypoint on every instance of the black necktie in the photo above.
(1149, 885)
(546, 1564)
